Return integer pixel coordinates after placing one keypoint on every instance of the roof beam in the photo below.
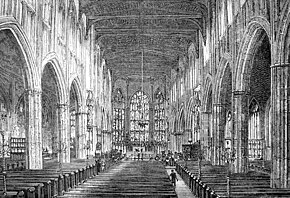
(97, 18)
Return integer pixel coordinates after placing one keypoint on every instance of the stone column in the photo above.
(127, 125)
(64, 136)
(206, 134)
(240, 130)
(81, 118)
(33, 129)
(178, 142)
(151, 113)
(188, 135)
(151, 122)
(280, 177)
(103, 140)
(127, 116)
(218, 132)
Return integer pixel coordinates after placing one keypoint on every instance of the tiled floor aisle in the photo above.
(181, 189)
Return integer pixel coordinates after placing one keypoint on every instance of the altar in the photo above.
(139, 152)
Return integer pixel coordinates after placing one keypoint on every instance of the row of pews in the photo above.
(138, 179)
(46, 183)
(213, 182)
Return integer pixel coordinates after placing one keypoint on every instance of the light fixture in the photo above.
(141, 107)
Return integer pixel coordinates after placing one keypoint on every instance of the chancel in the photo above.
(144, 98)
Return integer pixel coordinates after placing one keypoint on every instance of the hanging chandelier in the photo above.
(141, 107)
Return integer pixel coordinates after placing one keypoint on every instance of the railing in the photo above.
(197, 187)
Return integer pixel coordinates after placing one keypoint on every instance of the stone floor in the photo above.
(181, 188)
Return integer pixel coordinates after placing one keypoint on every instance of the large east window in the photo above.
(139, 118)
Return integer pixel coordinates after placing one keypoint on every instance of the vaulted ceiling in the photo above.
(160, 29)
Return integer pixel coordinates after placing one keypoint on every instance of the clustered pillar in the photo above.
(34, 134)
(218, 133)
(81, 118)
(280, 125)
(240, 136)
(63, 146)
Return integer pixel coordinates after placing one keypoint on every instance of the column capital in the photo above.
(240, 93)
(206, 112)
(32, 91)
(280, 65)
(218, 105)
(81, 113)
(62, 105)
(187, 130)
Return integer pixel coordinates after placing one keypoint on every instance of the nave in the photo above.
(136, 179)
(82, 80)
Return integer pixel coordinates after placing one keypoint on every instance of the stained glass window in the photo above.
(159, 118)
(139, 118)
(118, 126)
(118, 119)
(255, 142)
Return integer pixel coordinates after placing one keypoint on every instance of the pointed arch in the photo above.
(224, 64)
(139, 118)
(189, 115)
(75, 81)
(255, 29)
(181, 120)
(283, 51)
(207, 90)
(143, 92)
(32, 84)
(52, 59)
(31, 70)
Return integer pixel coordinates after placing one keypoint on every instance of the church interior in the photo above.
(102, 98)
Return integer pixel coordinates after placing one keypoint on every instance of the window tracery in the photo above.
(118, 119)
(255, 140)
(139, 118)
(159, 118)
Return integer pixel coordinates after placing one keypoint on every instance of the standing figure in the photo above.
(138, 155)
(173, 177)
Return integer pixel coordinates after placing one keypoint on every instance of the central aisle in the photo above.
(136, 179)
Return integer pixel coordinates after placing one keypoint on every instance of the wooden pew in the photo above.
(251, 184)
(48, 182)
(135, 180)
(56, 180)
